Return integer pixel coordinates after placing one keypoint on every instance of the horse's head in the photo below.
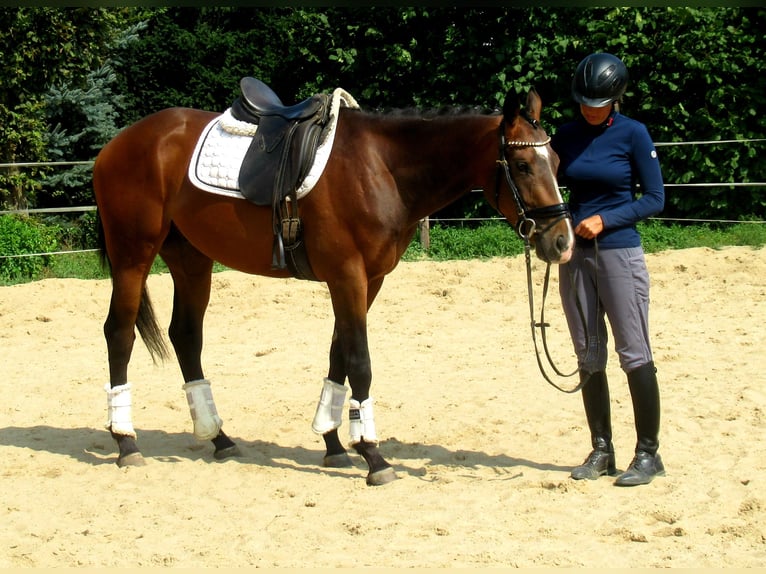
(527, 193)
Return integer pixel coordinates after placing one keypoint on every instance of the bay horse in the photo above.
(386, 172)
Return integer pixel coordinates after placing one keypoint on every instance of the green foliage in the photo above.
(22, 136)
(74, 233)
(696, 74)
(87, 234)
(657, 236)
(196, 57)
(88, 266)
(22, 235)
(90, 115)
(492, 239)
(488, 240)
(42, 47)
(74, 266)
(497, 239)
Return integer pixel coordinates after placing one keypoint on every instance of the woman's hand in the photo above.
(590, 227)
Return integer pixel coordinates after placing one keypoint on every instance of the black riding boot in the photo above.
(595, 397)
(645, 394)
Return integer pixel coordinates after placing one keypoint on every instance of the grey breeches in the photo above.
(612, 283)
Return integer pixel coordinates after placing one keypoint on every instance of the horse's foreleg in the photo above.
(329, 412)
(191, 272)
(350, 356)
(363, 436)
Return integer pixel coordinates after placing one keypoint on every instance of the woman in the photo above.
(603, 155)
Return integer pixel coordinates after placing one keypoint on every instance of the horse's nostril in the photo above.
(561, 243)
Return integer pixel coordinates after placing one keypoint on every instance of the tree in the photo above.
(39, 48)
(196, 57)
(696, 73)
(90, 116)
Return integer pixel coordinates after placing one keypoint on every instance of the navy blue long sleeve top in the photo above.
(600, 165)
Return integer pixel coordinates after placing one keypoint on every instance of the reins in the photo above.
(526, 227)
(542, 324)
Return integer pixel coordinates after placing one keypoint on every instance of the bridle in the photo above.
(526, 224)
(526, 228)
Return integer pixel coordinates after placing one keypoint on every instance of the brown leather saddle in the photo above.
(277, 161)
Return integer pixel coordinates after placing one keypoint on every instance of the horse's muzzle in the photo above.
(550, 229)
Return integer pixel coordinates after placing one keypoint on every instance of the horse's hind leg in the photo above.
(127, 302)
(191, 272)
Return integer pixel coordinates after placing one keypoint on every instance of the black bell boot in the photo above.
(595, 397)
(645, 394)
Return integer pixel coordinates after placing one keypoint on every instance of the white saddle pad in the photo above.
(218, 155)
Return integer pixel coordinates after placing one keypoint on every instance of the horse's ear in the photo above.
(534, 104)
(511, 107)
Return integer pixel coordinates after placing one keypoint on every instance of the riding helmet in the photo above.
(599, 80)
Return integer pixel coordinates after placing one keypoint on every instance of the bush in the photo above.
(74, 232)
(21, 236)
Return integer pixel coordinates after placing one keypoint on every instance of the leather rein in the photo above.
(526, 228)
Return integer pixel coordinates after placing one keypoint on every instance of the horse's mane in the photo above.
(430, 113)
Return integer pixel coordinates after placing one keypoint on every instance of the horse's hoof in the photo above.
(228, 452)
(381, 477)
(132, 459)
(341, 460)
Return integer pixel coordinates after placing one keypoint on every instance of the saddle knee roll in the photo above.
(361, 422)
(329, 413)
(207, 423)
(119, 410)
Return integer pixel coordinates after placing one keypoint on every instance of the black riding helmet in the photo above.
(599, 80)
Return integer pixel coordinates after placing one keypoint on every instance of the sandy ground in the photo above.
(481, 444)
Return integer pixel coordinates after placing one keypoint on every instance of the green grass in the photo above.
(492, 239)
(87, 266)
(497, 239)
(657, 236)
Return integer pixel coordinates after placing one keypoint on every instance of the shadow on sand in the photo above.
(96, 447)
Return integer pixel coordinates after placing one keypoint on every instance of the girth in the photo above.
(277, 161)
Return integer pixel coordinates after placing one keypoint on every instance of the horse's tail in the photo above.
(146, 321)
(103, 256)
(150, 330)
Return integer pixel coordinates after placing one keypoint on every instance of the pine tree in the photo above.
(90, 115)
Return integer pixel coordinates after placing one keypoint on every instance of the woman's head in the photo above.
(595, 116)
(599, 80)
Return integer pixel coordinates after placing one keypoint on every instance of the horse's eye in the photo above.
(523, 168)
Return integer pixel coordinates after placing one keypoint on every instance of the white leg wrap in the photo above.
(118, 409)
(361, 422)
(207, 423)
(329, 413)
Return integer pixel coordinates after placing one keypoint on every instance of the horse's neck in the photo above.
(436, 161)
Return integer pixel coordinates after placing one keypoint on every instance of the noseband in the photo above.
(526, 226)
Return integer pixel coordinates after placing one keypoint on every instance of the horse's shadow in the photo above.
(96, 447)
